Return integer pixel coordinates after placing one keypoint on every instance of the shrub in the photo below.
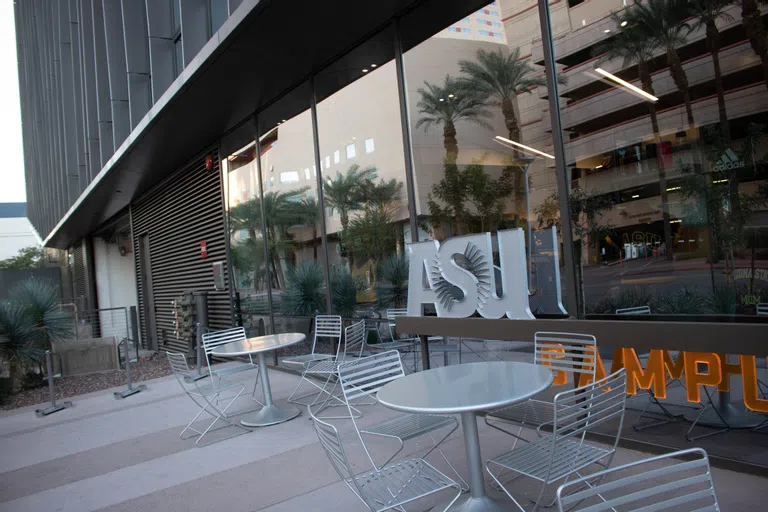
(686, 301)
(304, 290)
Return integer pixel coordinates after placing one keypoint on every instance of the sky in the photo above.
(12, 169)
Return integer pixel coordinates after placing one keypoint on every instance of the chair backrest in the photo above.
(211, 340)
(762, 308)
(581, 410)
(354, 339)
(566, 351)
(334, 450)
(637, 310)
(367, 375)
(179, 366)
(327, 326)
(682, 485)
(392, 314)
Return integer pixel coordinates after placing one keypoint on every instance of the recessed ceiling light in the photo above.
(373, 65)
(607, 30)
(450, 95)
(670, 189)
(441, 99)
(365, 70)
(635, 196)
(599, 167)
(283, 120)
(624, 23)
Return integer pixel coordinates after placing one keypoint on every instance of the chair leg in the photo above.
(297, 399)
(501, 485)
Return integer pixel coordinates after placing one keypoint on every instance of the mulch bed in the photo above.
(151, 366)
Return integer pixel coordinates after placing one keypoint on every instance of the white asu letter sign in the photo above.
(458, 277)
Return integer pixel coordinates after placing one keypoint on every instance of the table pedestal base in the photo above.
(466, 503)
(270, 415)
(734, 417)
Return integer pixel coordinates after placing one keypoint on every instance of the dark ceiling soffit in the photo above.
(246, 78)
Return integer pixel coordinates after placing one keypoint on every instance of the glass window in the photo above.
(336, 157)
(218, 10)
(369, 146)
(307, 175)
(327, 162)
(367, 214)
(482, 148)
(289, 177)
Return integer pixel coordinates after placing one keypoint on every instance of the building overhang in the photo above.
(264, 49)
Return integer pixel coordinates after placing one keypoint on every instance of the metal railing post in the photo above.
(130, 390)
(54, 407)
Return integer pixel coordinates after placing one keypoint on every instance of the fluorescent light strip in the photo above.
(670, 189)
(527, 148)
(720, 181)
(635, 196)
(626, 84)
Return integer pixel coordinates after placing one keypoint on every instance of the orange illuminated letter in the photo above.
(547, 355)
(694, 379)
(653, 375)
(749, 383)
(727, 369)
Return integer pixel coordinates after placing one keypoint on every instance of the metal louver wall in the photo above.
(79, 287)
(176, 216)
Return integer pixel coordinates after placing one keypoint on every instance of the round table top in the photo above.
(466, 387)
(258, 344)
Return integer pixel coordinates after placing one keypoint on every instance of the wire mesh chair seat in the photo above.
(214, 339)
(326, 326)
(207, 397)
(685, 485)
(326, 372)
(564, 452)
(388, 487)
(560, 351)
(364, 378)
(533, 459)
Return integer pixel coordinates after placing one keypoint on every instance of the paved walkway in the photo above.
(105, 454)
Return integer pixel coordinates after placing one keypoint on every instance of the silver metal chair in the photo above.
(386, 488)
(564, 452)
(762, 309)
(636, 310)
(683, 485)
(364, 378)
(328, 369)
(214, 339)
(207, 397)
(406, 344)
(561, 351)
(326, 326)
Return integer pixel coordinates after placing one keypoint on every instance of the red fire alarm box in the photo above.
(208, 162)
(203, 249)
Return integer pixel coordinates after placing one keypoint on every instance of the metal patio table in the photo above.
(467, 389)
(270, 414)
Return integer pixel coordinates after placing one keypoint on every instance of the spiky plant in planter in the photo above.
(304, 290)
(392, 282)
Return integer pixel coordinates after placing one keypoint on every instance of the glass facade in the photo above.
(656, 200)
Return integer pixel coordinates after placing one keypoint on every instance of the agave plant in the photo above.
(343, 292)
(686, 301)
(305, 290)
(392, 282)
(626, 298)
(38, 300)
(723, 300)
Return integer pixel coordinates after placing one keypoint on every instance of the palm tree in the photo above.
(499, 78)
(633, 47)
(246, 216)
(663, 23)
(446, 105)
(343, 191)
(310, 210)
(706, 13)
(753, 25)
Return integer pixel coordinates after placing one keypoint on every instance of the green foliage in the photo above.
(304, 290)
(345, 192)
(686, 301)
(248, 261)
(392, 282)
(40, 304)
(19, 339)
(371, 235)
(626, 298)
(586, 209)
(27, 258)
(343, 292)
(723, 300)
(446, 104)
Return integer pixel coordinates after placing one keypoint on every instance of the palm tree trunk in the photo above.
(510, 120)
(450, 143)
(713, 41)
(753, 25)
(645, 79)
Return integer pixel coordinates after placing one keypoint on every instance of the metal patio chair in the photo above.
(364, 378)
(207, 397)
(326, 326)
(560, 351)
(762, 308)
(410, 345)
(326, 371)
(564, 452)
(386, 488)
(683, 485)
(636, 310)
(214, 339)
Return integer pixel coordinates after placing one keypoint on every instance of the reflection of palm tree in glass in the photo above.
(445, 105)
(633, 47)
(753, 25)
(310, 212)
(342, 192)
